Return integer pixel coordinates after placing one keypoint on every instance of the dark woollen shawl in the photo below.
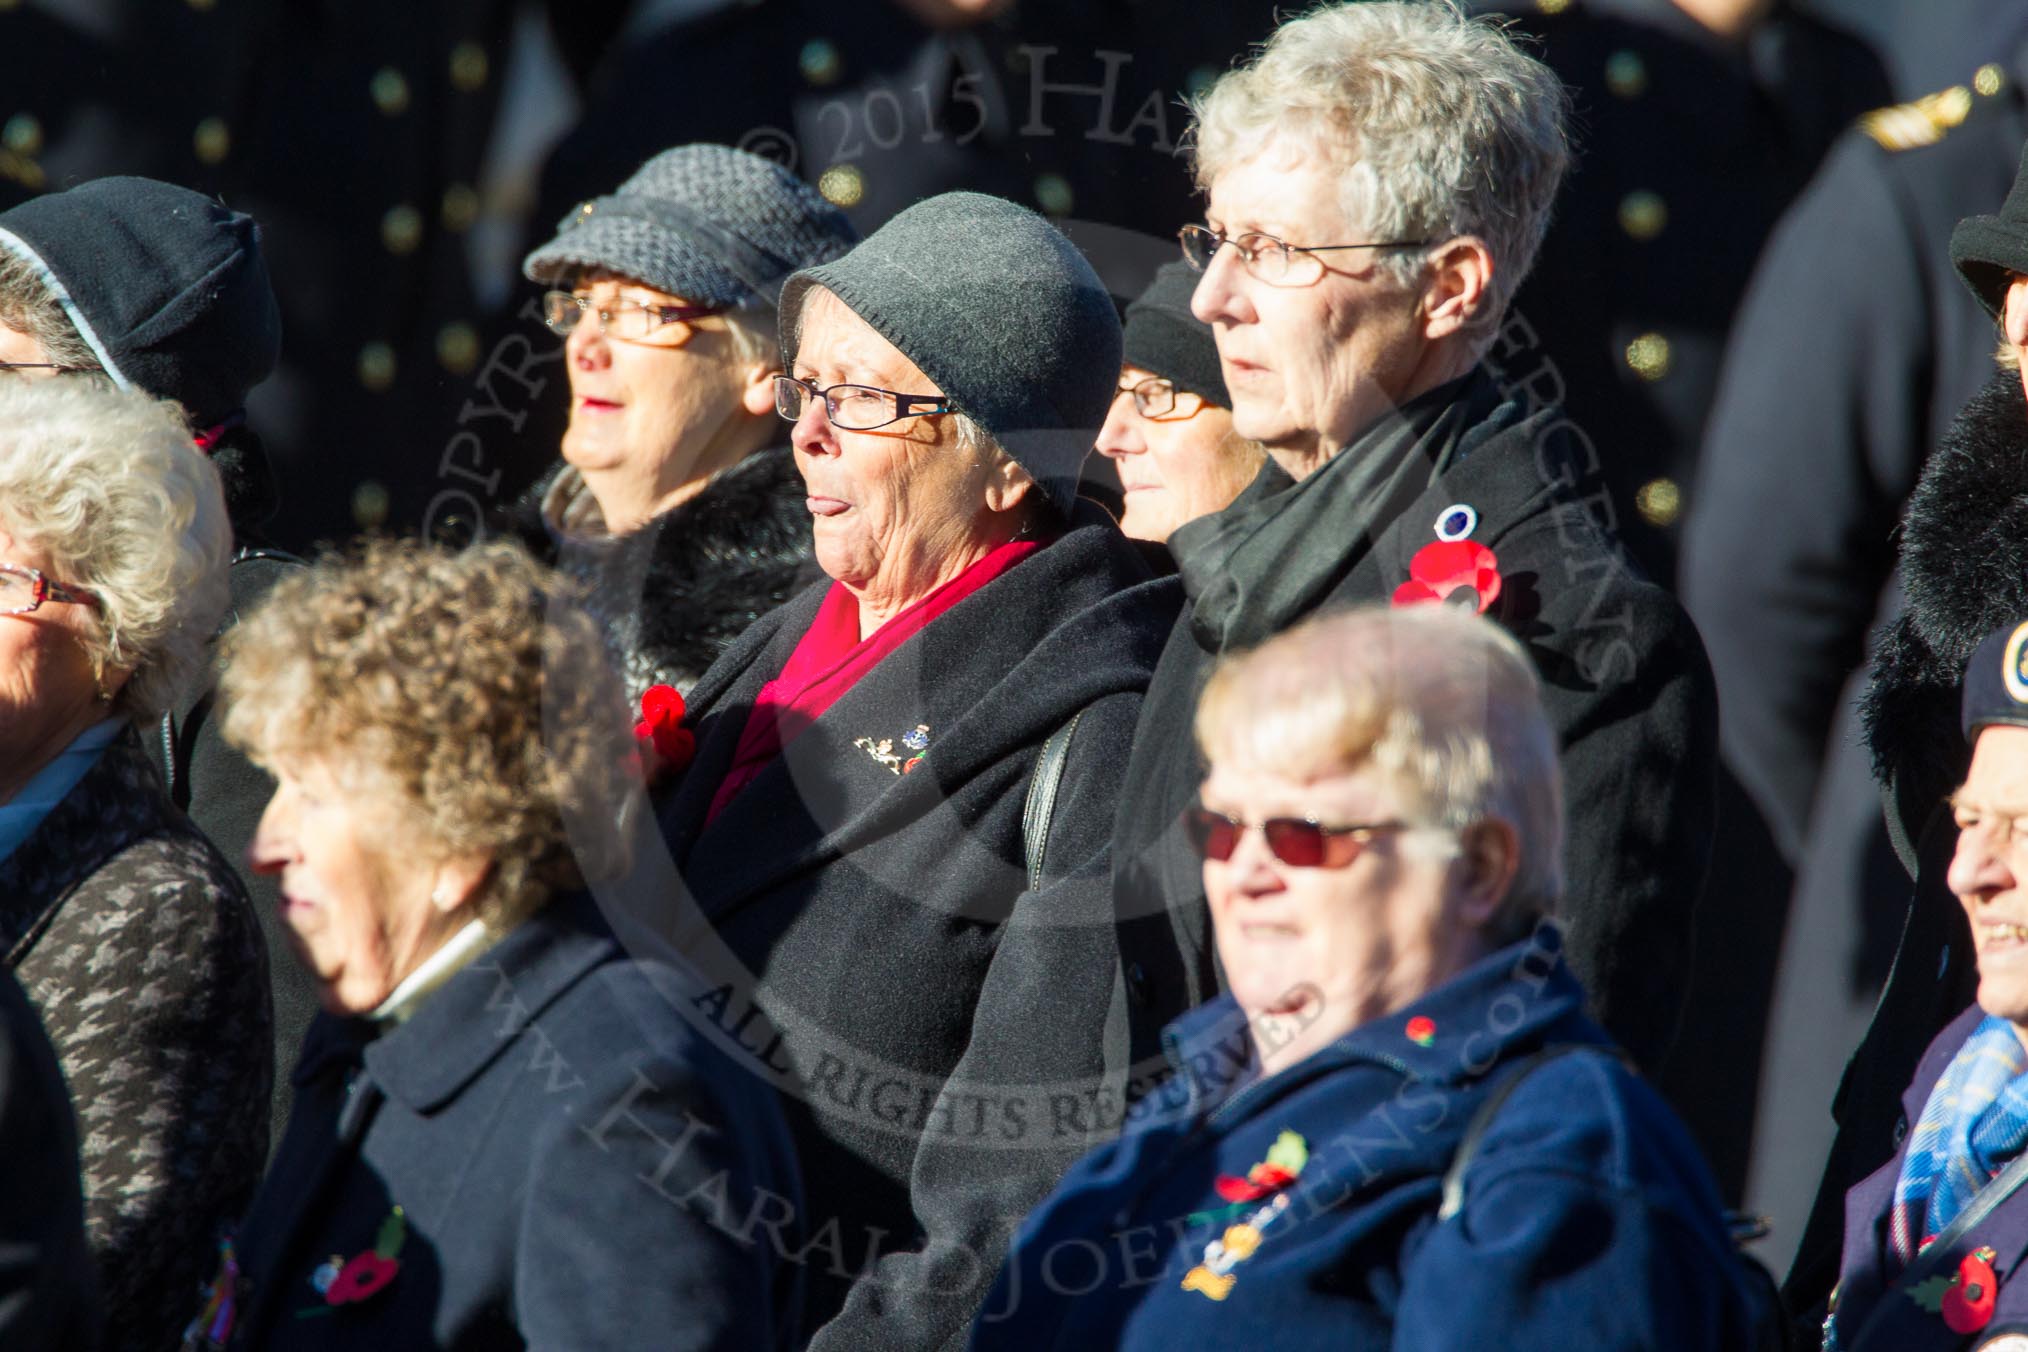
(891, 921)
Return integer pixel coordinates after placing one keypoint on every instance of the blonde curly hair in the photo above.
(468, 693)
(107, 484)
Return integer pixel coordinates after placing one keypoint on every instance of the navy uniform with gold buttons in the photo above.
(1689, 147)
(354, 133)
(1855, 350)
(1071, 108)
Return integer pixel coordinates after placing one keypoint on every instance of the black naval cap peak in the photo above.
(1996, 681)
(1989, 251)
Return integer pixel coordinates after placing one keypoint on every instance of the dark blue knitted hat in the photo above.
(167, 287)
(1164, 337)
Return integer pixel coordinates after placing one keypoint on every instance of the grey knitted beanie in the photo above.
(1000, 310)
(708, 223)
(1164, 337)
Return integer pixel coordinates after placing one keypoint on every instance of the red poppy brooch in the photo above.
(1456, 571)
(1965, 1301)
(347, 1281)
(661, 727)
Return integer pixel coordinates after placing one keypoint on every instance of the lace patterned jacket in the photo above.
(135, 941)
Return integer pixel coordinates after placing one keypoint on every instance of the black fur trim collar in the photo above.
(1964, 568)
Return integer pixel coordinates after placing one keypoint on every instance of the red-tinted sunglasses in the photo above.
(1297, 841)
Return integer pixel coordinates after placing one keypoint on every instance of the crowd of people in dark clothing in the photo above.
(967, 809)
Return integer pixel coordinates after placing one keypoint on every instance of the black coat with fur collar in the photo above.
(673, 595)
(944, 1018)
(1964, 571)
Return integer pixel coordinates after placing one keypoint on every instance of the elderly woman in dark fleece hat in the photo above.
(895, 822)
(1964, 571)
(157, 288)
(1169, 432)
(677, 499)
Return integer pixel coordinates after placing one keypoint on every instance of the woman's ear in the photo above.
(1456, 287)
(1007, 485)
(1489, 858)
(757, 393)
(458, 881)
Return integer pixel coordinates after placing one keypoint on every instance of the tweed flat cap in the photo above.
(167, 287)
(708, 223)
(1000, 310)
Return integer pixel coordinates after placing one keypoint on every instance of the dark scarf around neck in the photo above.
(1280, 549)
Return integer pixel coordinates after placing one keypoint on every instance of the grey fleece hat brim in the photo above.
(997, 308)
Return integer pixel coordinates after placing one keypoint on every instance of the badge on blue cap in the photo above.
(1996, 681)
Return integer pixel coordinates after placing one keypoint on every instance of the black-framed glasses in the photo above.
(856, 408)
(1271, 259)
(1300, 842)
(1157, 397)
(10, 367)
(23, 590)
(631, 320)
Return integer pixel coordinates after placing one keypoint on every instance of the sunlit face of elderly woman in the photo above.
(48, 691)
(1386, 913)
(1336, 894)
(362, 912)
(1177, 460)
(901, 509)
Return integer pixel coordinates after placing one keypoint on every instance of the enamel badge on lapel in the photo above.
(1214, 1277)
(1453, 568)
(915, 740)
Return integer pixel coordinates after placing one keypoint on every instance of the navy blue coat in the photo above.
(1587, 1210)
(576, 1168)
(1868, 1317)
(48, 1289)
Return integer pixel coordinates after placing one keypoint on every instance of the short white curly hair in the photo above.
(108, 484)
(1440, 124)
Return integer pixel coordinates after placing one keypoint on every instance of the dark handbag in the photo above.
(1040, 805)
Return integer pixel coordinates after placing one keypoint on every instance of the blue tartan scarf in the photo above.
(1976, 1120)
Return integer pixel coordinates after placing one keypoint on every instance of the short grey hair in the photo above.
(28, 306)
(1441, 125)
(109, 486)
(1444, 702)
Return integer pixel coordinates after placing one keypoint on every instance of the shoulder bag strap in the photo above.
(1040, 805)
(1482, 1120)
